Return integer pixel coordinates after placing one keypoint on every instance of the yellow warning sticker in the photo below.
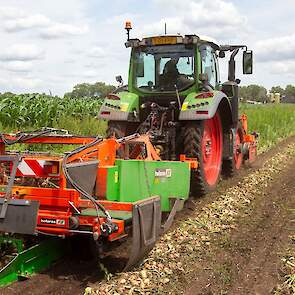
(116, 176)
(124, 106)
(184, 106)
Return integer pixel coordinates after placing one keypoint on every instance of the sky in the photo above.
(50, 46)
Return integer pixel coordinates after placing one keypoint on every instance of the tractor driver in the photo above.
(170, 74)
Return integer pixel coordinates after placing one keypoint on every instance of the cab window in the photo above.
(148, 70)
(161, 68)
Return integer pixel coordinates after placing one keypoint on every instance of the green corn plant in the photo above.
(38, 110)
(273, 122)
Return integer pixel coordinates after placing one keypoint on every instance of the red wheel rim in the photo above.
(238, 156)
(212, 149)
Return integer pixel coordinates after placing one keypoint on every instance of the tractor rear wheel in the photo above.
(116, 129)
(231, 166)
(120, 128)
(203, 140)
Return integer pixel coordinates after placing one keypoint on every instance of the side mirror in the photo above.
(119, 79)
(248, 62)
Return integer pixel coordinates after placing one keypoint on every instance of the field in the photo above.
(32, 111)
(28, 112)
(272, 122)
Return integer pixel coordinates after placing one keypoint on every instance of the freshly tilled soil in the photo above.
(246, 260)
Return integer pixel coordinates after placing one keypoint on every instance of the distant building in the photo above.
(274, 97)
(288, 99)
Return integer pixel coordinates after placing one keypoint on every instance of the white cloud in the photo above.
(52, 25)
(96, 52)
(59, 30)
(23, 84)
(90, 74)
(69, 60)
(276, 49)
(16, 21)
(10, 12)
(216, 18)
(27, 83)
(27, 22)
(21, 52)
(283, 68)
(175, 25)
(122, 18)
(18, 66)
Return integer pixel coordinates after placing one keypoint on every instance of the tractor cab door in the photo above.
(209, 65)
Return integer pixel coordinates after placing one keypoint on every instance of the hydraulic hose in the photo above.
(79, 188)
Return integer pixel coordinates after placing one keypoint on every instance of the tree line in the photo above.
(259, 93)
(88, 90)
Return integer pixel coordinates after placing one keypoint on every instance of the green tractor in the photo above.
(174, 94)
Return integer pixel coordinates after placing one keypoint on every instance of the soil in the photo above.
(242, 262)
(247, 260)
(70, 276)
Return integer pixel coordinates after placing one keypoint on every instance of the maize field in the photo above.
(31, 111)
(36, 110)
(273, 122)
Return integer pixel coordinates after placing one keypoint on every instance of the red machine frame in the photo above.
(58, 205)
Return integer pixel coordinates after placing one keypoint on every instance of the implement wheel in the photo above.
(203, 140)
(231, 166)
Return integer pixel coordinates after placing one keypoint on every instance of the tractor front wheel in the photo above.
(203, 140)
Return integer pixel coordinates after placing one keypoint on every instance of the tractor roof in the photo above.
(171, 40)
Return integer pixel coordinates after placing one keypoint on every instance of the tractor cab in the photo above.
(165, 65)
(170, 69)
(163, 68)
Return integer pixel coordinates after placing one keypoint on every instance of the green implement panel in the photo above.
(112, 189)
(32, 260)
(138, 179)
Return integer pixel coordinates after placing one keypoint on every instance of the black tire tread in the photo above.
(228, 166)
(192, 138)
(116, 129)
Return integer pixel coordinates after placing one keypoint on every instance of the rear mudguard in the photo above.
(202, 108)
(122, 106)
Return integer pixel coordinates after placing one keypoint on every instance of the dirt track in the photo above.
(235, 255)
